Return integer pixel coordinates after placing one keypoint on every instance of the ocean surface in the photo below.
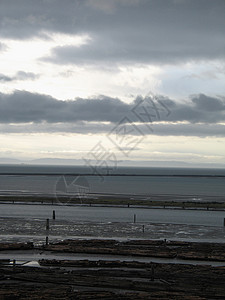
(23, 221)
(194, 184)
(26, 222)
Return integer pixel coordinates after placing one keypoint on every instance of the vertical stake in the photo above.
(53, 215)
(152, 272)
(47, 224)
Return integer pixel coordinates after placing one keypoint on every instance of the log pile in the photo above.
(16, 246)
(150, 248)
(118, 279)
(138, 281)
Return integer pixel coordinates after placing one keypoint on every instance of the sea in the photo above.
(189, 184)
(23, 221)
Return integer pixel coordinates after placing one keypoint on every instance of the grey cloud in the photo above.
(199, 130)
(20, 75)
(210, 104)
(143, 31)
(137, 48)
(207, 75)
(111, 6)
(3, 47)
(203, 109)
(24, 19)
(25, 107)
(4, 78)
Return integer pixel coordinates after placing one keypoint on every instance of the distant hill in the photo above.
(125, 163)
(5, 160)
(56, 161)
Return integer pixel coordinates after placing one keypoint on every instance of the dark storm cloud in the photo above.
(20, 75)
(119, 49)
(25, 107)
(122, 31)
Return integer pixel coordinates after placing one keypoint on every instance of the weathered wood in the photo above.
(151, 248)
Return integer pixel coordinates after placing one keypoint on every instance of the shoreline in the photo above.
(107, 175)
(117, 201)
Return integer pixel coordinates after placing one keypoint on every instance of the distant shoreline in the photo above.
(166, 202)
(108, 175)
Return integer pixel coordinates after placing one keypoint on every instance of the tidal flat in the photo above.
(93, 278)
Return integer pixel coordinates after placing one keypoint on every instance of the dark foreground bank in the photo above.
(111, 279)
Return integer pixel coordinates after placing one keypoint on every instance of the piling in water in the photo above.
(53, 215)
(47, 224)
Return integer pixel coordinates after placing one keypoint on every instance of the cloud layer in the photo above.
(147, 31)
(197, 130)
(43, 113)
(20, 75)
(55, 55)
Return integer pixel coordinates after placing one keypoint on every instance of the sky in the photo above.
(110, 81)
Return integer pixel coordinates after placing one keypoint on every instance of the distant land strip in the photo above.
(103, 175)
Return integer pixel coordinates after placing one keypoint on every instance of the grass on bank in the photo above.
(111, 201)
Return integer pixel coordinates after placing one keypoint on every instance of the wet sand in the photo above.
(109, 279)
(125, 260)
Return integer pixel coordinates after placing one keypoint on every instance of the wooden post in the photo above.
(128, 205)
(143, 228)
(53, 215)
(46, 241)
(47, 224)
(152, 272)
(134, 218)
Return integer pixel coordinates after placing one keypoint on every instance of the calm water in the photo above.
(20, 221)
(113, 214)
(170, 181)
